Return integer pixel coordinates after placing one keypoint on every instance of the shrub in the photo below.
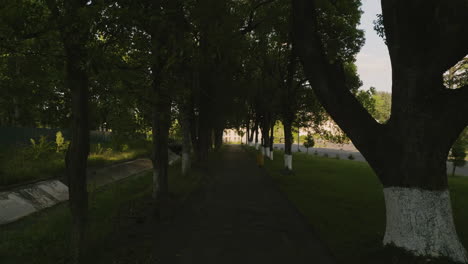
(62, 145)
(351, 157)
(39, 148)
(325, 155)
(457, 154)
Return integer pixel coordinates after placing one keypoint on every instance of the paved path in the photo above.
(240, 217)
(344, 153)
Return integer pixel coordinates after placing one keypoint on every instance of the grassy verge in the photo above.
(343, 201)
(24, 164)
(117, 213)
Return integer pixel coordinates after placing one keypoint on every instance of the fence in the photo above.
(21, 135)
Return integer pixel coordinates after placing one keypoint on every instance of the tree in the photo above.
(383, 105)
(424, 122)
(309, 142)
(73, 20)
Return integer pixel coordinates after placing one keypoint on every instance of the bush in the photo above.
(458, 153)
(40, 148)
(62, 145)
(351, 157)
(325, 155)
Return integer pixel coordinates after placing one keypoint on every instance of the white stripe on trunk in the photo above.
(288, 161)
(185, 162)
(421, 221)
(271, 154)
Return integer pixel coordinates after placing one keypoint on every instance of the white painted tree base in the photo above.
(266, 152)
(256, 146)
(421, 222)
(288, 161)
(185, 162)
(271, 154)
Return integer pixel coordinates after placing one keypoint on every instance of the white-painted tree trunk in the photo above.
(288, 161)
(421, 222)
(271, 154)
(250, 143)
(256, 145)
(266, 152)
(185, 163)
(155, 183)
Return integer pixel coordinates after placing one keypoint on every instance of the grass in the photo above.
(343, 201)
(24, 164)
(116, 213)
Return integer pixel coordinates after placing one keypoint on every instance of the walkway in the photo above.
(239, 218)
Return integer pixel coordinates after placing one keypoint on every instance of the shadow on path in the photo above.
(239, 217)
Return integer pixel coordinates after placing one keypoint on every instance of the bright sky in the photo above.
(373, 61)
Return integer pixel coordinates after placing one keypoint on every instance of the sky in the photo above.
(373, 61)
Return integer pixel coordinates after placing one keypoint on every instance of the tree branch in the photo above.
(328, 81)
(250, 22)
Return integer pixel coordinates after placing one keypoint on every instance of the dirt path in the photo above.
(240, 217)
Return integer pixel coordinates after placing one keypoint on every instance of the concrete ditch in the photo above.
(25, 200)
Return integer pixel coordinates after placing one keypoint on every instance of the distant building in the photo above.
(233, 136)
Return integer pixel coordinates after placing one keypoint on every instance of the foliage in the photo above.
(457, 76)
(309, 141)
(379, 28)
(383, 104)
(40, 148)
(60, 142)
(367, 99)
(350, 157)
(458, 152)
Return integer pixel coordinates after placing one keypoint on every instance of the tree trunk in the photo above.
(186, 139)
(271, 140)
(161, 125)
(256, 134)
(193, 126)
(77, 158)
(298, 139)
(453, 168)
(256, 137)
(218, 137)
(265, 135)
(247, 131)
(287, 144)
(74, 41)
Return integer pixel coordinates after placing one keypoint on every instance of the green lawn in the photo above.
(117, 213)
(343, 201)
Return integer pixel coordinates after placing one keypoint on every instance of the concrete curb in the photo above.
(29, 199)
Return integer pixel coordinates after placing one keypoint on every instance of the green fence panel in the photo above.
(22, 135)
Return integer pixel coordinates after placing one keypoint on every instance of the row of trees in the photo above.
(136, 65)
